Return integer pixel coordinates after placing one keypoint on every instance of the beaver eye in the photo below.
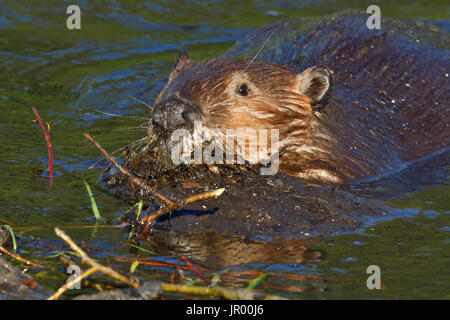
(243, 90)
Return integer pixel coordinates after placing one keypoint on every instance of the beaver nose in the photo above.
(172, 114)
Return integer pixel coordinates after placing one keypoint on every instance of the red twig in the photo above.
(195, 269)
(49, 144)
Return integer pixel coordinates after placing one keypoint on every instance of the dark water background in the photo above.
(127, 48)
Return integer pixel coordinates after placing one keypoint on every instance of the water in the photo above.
(127, 48)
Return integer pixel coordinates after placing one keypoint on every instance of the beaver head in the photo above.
(249, 95)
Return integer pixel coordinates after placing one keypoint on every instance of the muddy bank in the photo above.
(14, 284)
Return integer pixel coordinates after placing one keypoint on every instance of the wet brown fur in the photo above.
(362, 133)
(274, 102)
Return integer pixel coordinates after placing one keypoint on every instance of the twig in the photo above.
(152, 263)
(216, 291)
(8, 222)
(49, 145)
(19, 258)
(25, 229)
(125, 172)
(164, 210)
(221, 292)
(106, 270)
(71, 283)
(195, 269)
(95, 267)
(170, 205)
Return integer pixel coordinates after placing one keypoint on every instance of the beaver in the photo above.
(349, 103)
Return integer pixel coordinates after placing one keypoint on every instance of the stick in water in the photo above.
(49, 144)
(170, 205)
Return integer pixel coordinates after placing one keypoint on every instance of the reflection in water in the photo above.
(225, 251)
(239, 260)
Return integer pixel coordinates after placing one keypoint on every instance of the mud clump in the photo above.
(253, 206)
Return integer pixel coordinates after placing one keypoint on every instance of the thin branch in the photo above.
(149, 262)
(216, 291)
(125, 172)
(220, 292)
(49, 145)
(170, 205)
(165, 210)
(71, 283)
(19, 258)
(106, 270)
(25, 229)
(195, 269)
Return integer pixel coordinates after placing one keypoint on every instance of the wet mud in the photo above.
(256, 207)
(14, 284)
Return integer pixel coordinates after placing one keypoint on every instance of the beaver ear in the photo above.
(315, 82)
(182, 60)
